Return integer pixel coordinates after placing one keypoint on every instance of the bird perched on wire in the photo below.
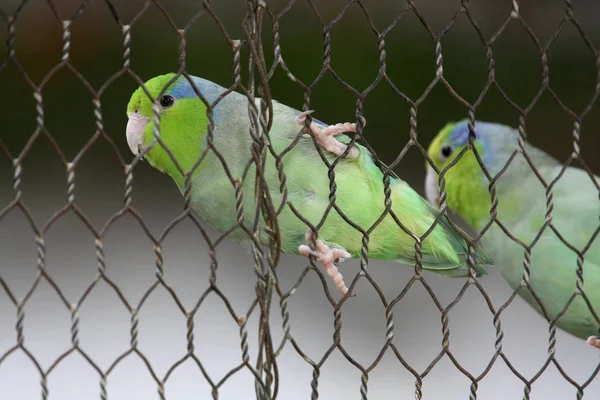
(360, 185)
(522, 210)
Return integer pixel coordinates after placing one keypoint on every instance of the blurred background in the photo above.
(96, 52)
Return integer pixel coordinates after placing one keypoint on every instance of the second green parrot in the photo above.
(360, 185)
(522, 211)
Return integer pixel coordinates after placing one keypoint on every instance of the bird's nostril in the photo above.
(136, 112)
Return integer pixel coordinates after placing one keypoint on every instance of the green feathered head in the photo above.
(466, 184)
(183, 123)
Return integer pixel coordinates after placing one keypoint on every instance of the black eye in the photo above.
(167, 101)
(447, 151)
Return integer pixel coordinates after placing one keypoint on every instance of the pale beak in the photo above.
(135, 131)
(432, 190)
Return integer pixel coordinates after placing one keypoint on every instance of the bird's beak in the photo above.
(135, 131)
(432, 190)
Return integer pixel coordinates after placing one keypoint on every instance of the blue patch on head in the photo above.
(181, 89)
(460, 134)
(460, 137)
(184, 90)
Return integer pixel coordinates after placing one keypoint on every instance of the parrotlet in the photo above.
(522, 210)
(360, 184)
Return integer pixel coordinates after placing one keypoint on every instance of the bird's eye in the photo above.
(447, 151)
(167, 101)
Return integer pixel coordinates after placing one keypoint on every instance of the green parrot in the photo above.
(360, 185)
(522, 210)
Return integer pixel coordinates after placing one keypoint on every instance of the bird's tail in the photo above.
(461, 247)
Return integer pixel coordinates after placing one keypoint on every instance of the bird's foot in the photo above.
(326, 136)
(594, 341)
(327, 257)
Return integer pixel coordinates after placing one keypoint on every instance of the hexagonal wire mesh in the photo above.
(268, 291)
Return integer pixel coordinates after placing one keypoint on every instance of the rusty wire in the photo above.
(265, 368)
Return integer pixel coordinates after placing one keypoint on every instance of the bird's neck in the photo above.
(467, 191)
(188, 147)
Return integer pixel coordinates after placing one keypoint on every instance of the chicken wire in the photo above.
(269, 294)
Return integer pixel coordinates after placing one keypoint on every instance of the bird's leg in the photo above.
(326, 136)
(594, 341)
(327, 257)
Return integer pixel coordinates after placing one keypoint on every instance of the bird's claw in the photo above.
(594, 341)
(328, 257)
(326, 136)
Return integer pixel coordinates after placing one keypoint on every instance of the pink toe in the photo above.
(322, 247)
(594, 341)
(350, 127)
(304, 250)
(338, 279)
(340, 128)
(302, 117)
(341, 253)
(332, 272)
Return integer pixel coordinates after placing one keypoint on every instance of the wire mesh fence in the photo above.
(257, 217)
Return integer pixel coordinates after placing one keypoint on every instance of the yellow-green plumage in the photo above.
(522, 210)
(360, 188)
